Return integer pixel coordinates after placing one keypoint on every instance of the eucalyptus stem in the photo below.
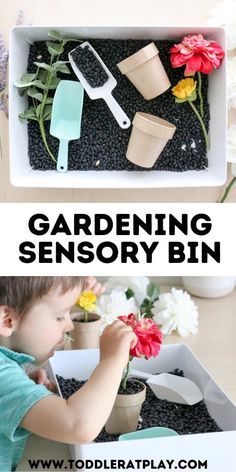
(227, 190)
(43, 134)
(200, 93)
(45, 94)
(202, 124)
(41, 121)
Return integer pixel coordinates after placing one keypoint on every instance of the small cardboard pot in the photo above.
(68, 345)
(146, 72)
(125, 413)
(148, 138)
(86, 334)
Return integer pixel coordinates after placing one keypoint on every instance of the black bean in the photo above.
(101, 136)
(184, 419)
(89, 66)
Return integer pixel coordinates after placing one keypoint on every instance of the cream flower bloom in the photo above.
(111, 305)
(233, 169)
(137, 284)
(224, 14)
(176, 311)
(232, 137)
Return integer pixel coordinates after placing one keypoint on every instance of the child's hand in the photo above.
(116, 341)
(91, 283)
(39, 376)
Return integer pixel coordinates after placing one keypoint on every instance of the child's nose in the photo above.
(69, 324)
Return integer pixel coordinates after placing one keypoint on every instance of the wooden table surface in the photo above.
(214, 345)
(100, 12)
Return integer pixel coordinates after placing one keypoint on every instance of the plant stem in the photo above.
(43, 134)
(41, 122)
(202, 124)
(45, 93)
(2, 93)
(85, 316)
(200, 93)
(125, 378)
(227, 190)
(3, 97)
(1, 154)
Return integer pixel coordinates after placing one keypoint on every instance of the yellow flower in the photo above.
(184, 88)
(87, 301)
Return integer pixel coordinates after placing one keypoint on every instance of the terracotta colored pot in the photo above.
(86, 334)
(146, 72)
(148, 138)
(125, 413)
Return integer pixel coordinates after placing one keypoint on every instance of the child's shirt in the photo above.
(18, 393)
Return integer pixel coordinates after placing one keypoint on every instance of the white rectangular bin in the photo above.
(217, 448)
(22, 175)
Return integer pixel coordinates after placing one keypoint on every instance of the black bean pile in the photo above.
(184, 419)
(103, 143)
(132, 386)
(89, 66)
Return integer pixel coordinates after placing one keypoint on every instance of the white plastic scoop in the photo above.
(103, 91)
(171, 387)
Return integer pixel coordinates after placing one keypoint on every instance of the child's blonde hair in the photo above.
(21, 293)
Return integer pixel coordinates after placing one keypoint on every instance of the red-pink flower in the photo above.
(148, 334)
(197, 54)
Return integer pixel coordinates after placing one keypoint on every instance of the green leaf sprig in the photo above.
(153, 292)
(38, 85)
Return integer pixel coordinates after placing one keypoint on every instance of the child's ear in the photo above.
(7, 321)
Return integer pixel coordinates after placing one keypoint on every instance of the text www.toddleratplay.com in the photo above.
(117, 464)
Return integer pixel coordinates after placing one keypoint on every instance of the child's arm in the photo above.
(82, 416)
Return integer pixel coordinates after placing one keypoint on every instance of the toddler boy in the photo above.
(34, 318)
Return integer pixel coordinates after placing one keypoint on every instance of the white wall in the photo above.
(160, 280)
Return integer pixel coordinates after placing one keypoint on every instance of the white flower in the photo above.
(137, 284)
(233, 169)
(231, 81)
(224, 14)
(232, 137)
(111, 305)
(176, 311)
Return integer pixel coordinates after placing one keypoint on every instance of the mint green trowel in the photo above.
(66, 117)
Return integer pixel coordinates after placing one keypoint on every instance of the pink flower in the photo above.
(197, 54)
(148, 334)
